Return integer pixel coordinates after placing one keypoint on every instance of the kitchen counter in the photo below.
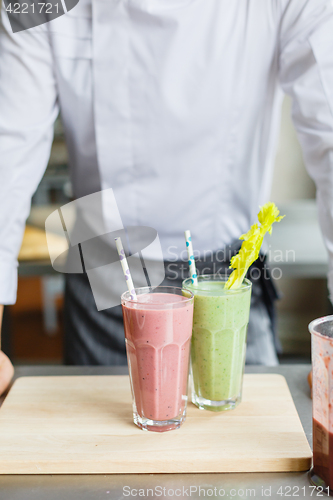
(164, 486)
(295, 247)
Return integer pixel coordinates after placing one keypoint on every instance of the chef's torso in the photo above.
(175, 105)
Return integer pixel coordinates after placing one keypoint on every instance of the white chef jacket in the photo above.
(175, 104)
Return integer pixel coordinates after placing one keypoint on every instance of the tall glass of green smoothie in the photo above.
(218, 344)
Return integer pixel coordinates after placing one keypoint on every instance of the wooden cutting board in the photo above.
(77, 425)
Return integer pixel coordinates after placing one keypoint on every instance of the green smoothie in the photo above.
(218, 341)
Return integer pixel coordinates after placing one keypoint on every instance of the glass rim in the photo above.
(147, 288)
(318, 321)
(219, 277)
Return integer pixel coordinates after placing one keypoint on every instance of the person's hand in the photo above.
(6, 372)
(6, 367)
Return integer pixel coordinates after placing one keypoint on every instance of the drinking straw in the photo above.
(124, 265)
(191, 262)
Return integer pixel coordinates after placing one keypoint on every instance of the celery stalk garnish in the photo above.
(251, 245)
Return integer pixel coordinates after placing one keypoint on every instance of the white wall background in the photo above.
(302, 299)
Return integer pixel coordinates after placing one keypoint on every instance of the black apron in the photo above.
(95, 337)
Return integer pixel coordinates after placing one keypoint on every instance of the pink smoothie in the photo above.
(158, 350)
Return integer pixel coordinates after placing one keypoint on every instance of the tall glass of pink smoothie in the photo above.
(158, 329)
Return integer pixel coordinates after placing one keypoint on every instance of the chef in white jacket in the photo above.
(175, 105)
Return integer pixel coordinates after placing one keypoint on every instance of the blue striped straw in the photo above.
(124, 265)
(191, 262)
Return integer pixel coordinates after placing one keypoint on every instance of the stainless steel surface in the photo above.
(164, 486)
(36, 268)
